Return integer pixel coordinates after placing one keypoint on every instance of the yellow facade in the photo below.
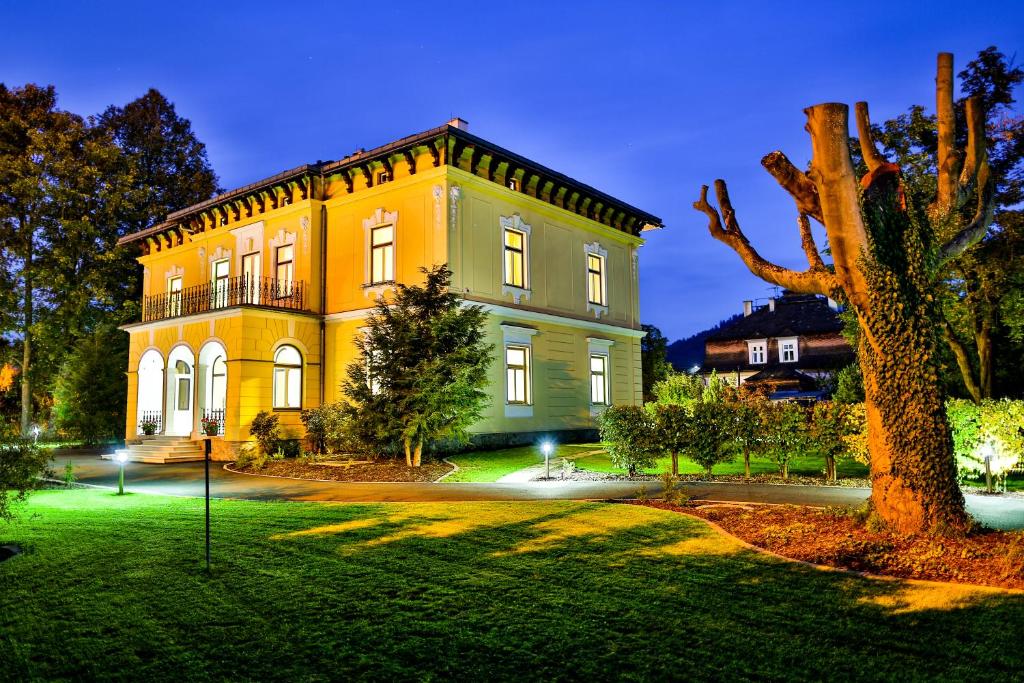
(218, 339)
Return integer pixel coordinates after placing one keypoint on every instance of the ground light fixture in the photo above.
(546, 447)
(35, 433)
(121, 458)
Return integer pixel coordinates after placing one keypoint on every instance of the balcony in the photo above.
(236, 291)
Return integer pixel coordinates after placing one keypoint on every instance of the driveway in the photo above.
(186, 479)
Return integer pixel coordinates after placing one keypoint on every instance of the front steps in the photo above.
(161, 450)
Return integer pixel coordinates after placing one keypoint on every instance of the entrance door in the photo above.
(251, 278)
(182, 424)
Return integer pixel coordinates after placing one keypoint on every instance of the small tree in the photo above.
(679, 388)
(267, 432)
(747, 425)
(21, 464)
(629, 434)
(784, 432)
(672, 425)
(653, 361)
(91, 385)
(709, 435)
(421, 372)
(830, 425)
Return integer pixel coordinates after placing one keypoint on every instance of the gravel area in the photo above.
(382, 471)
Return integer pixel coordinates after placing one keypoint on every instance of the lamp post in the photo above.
(546, 449)
(122, 458)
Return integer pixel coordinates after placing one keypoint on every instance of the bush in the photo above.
(331, 428)
(671, 491)
(266, 431)
(992, 430)
(628, 433)
(672, 423)
(784, 432)
(21, 465)
(710, 435)
(831, 426)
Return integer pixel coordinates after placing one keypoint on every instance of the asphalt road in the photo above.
(186, 479)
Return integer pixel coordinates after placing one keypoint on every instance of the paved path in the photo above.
(186, 479)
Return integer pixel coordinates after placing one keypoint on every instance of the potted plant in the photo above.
(211, 426)
(148, 427)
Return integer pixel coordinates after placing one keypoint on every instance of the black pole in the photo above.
(206, 463)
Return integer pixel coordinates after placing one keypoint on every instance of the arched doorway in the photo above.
(150, 406)
(181, 375)
(213, 382)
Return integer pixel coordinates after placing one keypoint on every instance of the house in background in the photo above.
(785, 346)
(253, 298)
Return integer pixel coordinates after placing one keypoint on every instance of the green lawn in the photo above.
(492, 465)
(112, 587)
(802, 465)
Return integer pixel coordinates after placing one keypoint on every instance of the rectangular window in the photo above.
(285, 269)
(595, 279)
(515, 258)
(517, 371)
(758, 352)
(382, 254)
(599, 379)
(220, 284)
(174, 296)
(787, 351)
(251, 278)
(383, 177)
(513, 184)
(184, 394)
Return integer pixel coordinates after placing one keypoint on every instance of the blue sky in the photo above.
(645, 101)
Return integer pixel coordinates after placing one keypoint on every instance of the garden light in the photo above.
(35, 433)
(121, 458)
(546, 447)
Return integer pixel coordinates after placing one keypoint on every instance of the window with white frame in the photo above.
(174, 296)
(284, 258)
(287, 378)
(757, 350)
(596, 290)
(517, 373)
(382, 254)
(220, 283)
(599, 379)
(515, 258)
(788, 350)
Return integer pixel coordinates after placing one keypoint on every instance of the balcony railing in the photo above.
(236, 291)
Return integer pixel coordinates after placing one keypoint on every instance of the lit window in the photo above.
(758, 352)
(515, 258)
(287, 378)
(517, 371)
(512, 184)
(285, 269)
(595, 279)
(383, 177)
(184, 373)
(788, 350)
(220, 284)
(218, 383)
(382, 254)
(599, 379)
(174, 296)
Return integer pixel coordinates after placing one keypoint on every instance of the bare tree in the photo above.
(885, 263)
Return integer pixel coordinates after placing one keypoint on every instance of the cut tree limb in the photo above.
(868, 149)
(806, 282)
(948, 155)
(807, 242)
(795, 182)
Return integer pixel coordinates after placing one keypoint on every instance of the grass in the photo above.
(483, 466)
(800, 465)
(111, 587)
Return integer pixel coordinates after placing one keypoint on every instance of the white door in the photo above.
(182, 395)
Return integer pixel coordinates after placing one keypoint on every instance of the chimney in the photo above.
(461, 124)
(748, 307)
(771, 305)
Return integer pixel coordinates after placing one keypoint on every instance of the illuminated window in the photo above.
(595, 279)
(515, 258)
(788, 352)
(599, 379)
(512, 184)
(517, 371)
(174, 296)
(220, 283)
(382, 254)
(758, 351)
(287, 378)
(383, 177)
(184, 376)
(284, 269)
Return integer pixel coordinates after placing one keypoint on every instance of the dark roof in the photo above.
(794, 315)
(781, 373)
(361, 157)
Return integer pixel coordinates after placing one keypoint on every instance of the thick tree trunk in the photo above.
(408, 452)
(830, 468)
(26, 355)
(417, 459)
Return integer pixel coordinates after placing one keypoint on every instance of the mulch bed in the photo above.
(383, 471)
(589, 475)
(837, 539)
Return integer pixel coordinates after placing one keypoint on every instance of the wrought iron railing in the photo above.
(236, 291)
(218, 415)
(153, 416)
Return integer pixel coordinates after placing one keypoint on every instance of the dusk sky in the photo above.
(645, 101)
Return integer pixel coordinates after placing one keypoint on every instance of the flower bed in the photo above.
(381, 471)
(839, 538)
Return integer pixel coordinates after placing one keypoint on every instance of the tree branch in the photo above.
(948, 156)
(976, 154)
(807, 242)
(807, 282)
(868, 149)
(963, 361)
(978, 226)
(795, 182)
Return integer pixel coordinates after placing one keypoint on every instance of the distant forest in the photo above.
(683, 354)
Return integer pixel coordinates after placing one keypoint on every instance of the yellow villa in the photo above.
(252, 299)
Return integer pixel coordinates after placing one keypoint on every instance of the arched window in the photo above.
(183, 371)
(287, 378)
(218, 383)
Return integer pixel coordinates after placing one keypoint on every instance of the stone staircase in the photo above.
(161, 449)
